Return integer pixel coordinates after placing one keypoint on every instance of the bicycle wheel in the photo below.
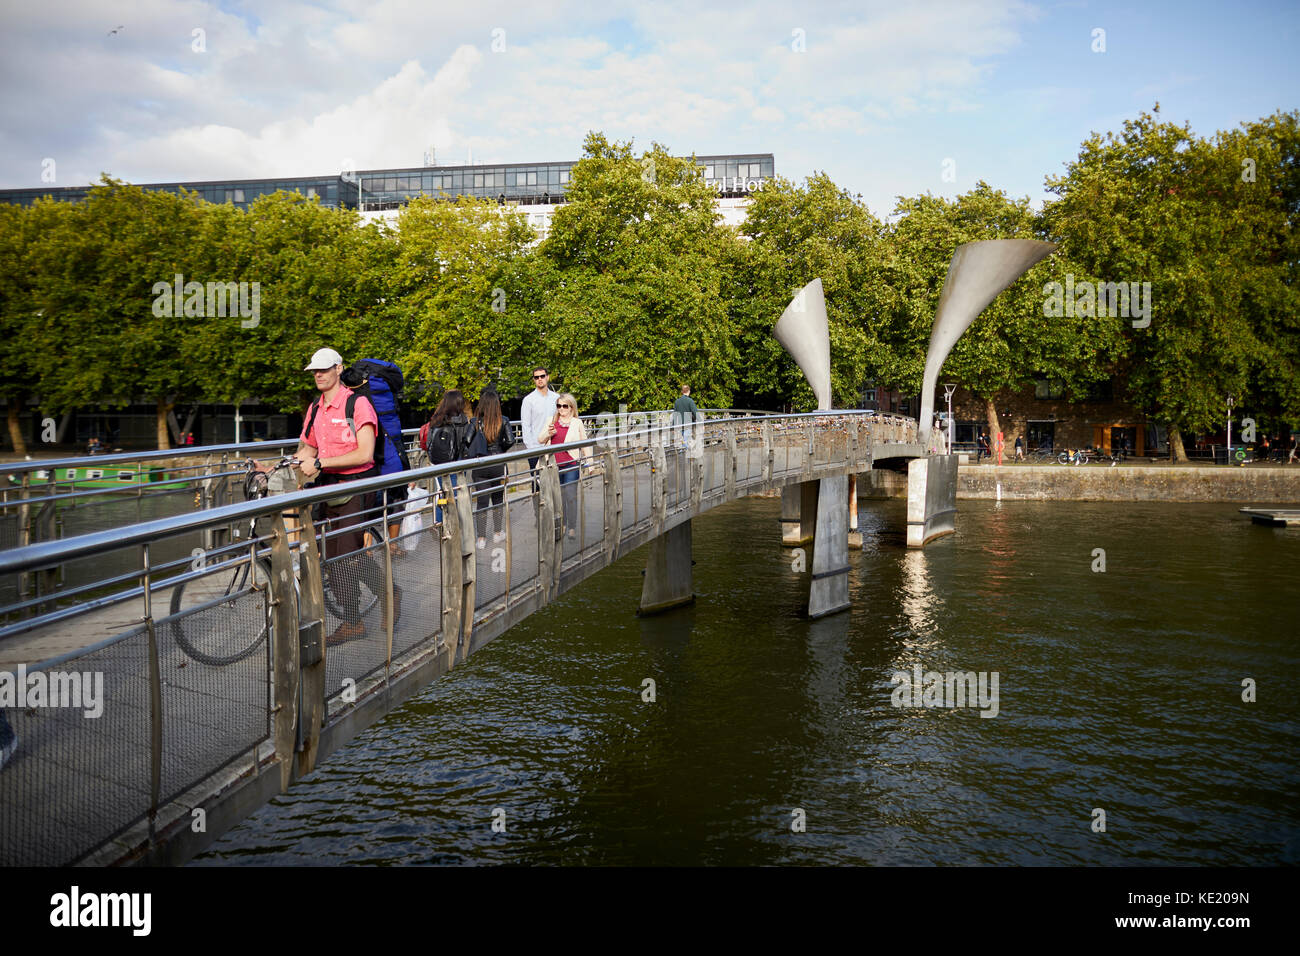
(365, 600)
(1063, 458)
(229, 629)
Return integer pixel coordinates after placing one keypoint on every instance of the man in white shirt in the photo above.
(537, 411)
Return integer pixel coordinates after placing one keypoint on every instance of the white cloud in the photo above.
(303, 87)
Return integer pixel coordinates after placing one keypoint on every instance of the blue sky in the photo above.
(880, 95)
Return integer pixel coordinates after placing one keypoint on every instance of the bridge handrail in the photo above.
(241, 449)
(47, 553)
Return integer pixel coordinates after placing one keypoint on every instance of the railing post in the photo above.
(283, 616)
(809, 443)
(613, 505)
(550, 535)
(463, 499)
(389, 585)
(25, 583)
(453, 570)
(155, 701)
(658, 496)
(729, 444)
(311, 640)
(769, 452)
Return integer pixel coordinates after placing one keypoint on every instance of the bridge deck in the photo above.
(78, 785)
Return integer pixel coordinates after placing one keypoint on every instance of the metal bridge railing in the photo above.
(173, 670)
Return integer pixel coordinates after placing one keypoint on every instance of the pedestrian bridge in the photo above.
(178, 692)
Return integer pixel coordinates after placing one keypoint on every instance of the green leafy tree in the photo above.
(632, 304)
(453, 285)
(797, 234)
(1155, 203)
(23, 329)
(108, 341)
(1014, 340)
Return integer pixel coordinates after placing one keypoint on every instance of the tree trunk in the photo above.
(1176, 450)
(16, 426)
(994, 425)
(164, 436)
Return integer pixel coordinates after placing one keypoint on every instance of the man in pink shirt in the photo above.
(334, 449)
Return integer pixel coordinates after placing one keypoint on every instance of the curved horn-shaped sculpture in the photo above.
(979, 271)
(803, 331)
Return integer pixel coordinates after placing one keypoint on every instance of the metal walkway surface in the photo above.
(179, 697)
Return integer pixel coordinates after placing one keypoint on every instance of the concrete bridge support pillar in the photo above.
(931, 498)
(830, 568)
(668, 579)
(798, 513)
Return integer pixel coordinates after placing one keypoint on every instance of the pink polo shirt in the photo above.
(330, 435)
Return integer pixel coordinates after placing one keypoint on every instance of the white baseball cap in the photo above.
(324, 358)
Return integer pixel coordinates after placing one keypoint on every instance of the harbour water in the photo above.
(772, 739)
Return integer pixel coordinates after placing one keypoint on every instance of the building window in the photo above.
(1100, 392)
(1048, 389)
(564, 176)
(478, 180)
(532, 178)
(311, 192)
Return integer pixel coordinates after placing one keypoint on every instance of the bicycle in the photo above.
(208, 642)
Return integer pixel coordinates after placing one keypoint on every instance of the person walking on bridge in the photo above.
(536, 413)
(337, 445)
(683, 408)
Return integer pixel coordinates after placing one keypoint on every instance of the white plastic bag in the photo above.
(413, 522)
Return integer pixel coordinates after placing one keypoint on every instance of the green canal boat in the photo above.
(124, 478)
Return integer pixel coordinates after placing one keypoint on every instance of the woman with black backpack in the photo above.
(451, 437)
(489, 482)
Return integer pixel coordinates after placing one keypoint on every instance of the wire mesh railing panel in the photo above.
(627, 475)
(592, 529)
(418, 573)
(522, 506)
(213, 711)
(490, 560)
(80, 768)
(355, 597)
(571, 501)
(642, 503)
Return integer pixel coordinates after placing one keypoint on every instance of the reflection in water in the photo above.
(917, 599)
(1119, 690)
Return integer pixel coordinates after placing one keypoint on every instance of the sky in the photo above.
(889, 99)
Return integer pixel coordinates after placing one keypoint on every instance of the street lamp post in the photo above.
(947, 394)
(1229, 455)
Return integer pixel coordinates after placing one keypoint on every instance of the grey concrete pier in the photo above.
(931, 498)
(668, 579)
(798, 513)
(830, 568)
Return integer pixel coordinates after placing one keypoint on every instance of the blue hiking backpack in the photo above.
(381, 382)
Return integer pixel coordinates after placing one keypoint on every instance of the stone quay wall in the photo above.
(1100, 482)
